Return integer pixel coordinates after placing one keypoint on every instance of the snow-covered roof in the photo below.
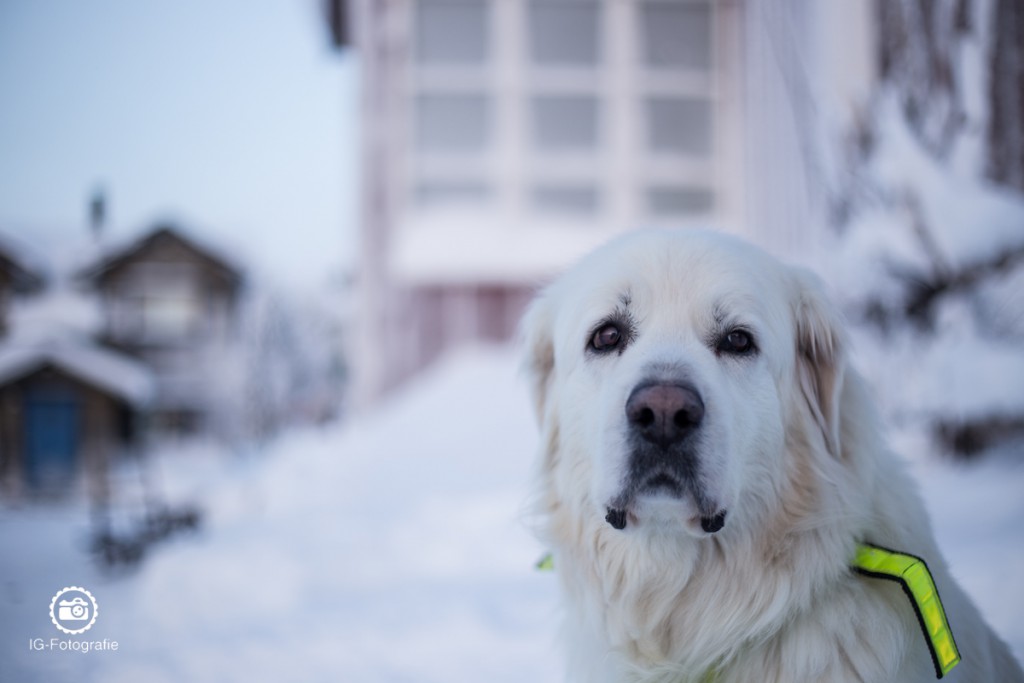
(27, 274)
(53, 314)
(107, 370)
(116, 253)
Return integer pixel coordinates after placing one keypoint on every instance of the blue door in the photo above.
(51, 437)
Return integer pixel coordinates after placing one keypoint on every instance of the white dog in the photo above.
(711, 469)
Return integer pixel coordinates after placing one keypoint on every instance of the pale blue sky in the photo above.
(235, 116)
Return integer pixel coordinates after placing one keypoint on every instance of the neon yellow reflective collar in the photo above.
(913, 576)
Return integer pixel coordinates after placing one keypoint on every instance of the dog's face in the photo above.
(667, 363)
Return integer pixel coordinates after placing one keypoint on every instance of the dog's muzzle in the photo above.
(663, 422)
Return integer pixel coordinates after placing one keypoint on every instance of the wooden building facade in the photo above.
(66, 412)
(171, 302)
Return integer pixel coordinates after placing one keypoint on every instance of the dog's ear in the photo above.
(538, 340)
(820, 354)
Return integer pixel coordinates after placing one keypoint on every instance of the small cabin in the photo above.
(67, 410)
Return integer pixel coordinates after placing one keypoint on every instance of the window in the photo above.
(433, 194)
(676, 41)
(158, 303)
(669, 202)
(452, 122)
(676, 34)
(564, 32)
(452, 31)
(566, 200)
(679, 125)
(564, 123)
(169, 315)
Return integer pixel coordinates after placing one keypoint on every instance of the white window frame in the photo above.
(438, 167)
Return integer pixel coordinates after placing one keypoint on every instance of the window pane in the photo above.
(679, 126)
(564, 33)
(676, 34)
(579, 200)
(445, 193)
(452, 123)
(452, 31)
(565, 123)
(679, 201)
(169, 317)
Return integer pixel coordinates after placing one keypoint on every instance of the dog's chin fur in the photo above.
(770, 596)
(665, 515)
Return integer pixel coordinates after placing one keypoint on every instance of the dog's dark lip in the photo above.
(617, 518)
(714, 523)
(711, 524)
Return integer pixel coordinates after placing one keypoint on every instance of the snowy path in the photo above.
(391, 550)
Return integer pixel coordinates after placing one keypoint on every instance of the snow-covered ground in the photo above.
(387, 549)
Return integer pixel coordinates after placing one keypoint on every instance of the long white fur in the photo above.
(792, 450)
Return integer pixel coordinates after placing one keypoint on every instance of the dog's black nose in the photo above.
(664, 413)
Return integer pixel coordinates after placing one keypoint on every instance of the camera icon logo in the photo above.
(73, 610)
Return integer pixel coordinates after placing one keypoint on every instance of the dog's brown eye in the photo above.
(737, 342)
(606, 338)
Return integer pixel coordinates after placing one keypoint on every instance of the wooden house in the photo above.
(170, 301)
